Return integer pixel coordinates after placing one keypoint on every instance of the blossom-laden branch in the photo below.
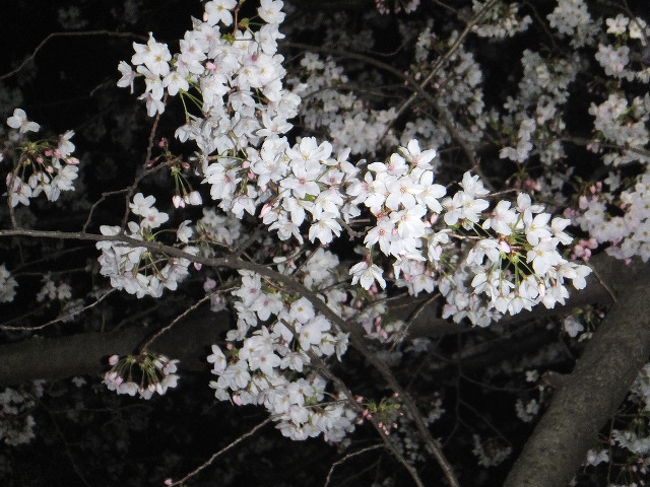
(289, 284)
(485, 256)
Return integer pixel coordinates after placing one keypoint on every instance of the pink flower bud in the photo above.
(265, 209)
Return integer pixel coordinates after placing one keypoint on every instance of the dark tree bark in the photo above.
(86, 353)
(593, 391)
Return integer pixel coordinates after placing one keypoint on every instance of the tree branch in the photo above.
(85, 353)
(593, 391)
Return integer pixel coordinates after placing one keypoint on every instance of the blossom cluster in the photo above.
(144, 374)
(572, 18)
(135, 269)
(385, 7)
(501, 21)
(616, 59)
(16, 421)
(8, 285)
(627, 234)
(237, 75)
(269, 356)
(51, 291)
(44, 166)
(512, 253)
(327, 105)
(623, 124)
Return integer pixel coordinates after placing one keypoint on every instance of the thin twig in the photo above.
(68, 34)
(414, 316)
(230, 446)
(66, 446)
(131, 189)
(318, 362)
(604, 284)
(165, 329)
(96, 204)
(346, 458)
(58, 319)
(585, 142)
(152, 133)
(447, 56)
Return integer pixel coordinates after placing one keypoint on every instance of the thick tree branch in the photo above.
(593, 391)
(86, 353)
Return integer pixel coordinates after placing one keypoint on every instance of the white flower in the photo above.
(19, 121)
(502, 220)
(184, 232)
(154, 55)
(367, 274)
(175, 82)
(325, 229)
(128, 75)
(572, 326)
(142, 206)
(271, 11)
(416, 157)
(617, 25)
(219, 11)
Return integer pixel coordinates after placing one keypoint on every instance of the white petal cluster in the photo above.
(219, 228)
(340, 113)
(16, 422)
(8, 285)
(46, 167)
(627, 234)
(629, 33)
(501, 21)
(624, 124)
(51, 291)
(134, 269)
(145, 374)
(19, 122)
(267, 360)
(237, 74)
(572, 18)
(512, 254)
